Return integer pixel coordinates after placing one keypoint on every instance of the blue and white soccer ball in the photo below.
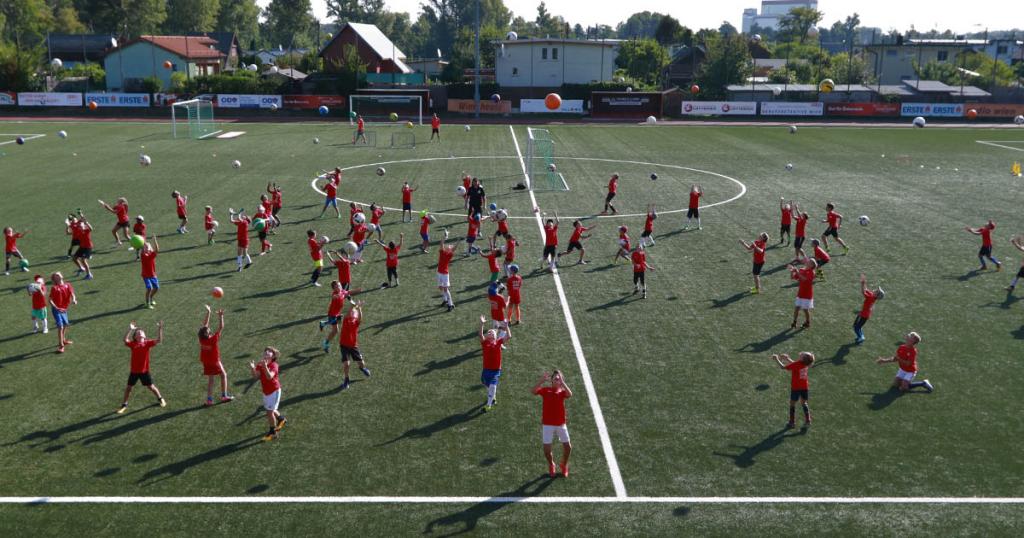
(323, 110)
(864, 220)
(919, 122)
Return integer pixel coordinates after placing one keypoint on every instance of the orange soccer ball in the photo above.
(553, 101)
(972, 114)
(93, 105)
(168, 64)
(695, 89)
(217, 292)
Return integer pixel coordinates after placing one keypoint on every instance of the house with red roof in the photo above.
(148, 56)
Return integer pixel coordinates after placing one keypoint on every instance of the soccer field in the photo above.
(678, 417)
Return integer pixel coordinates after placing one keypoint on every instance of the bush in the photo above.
(93, 71)
(152, 85)
(242, 82)
(179, 81)
(19, 67)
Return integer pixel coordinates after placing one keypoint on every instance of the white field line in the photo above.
(743, 188)
(504, 500)
(26, 136)
(588, 383)
(994, 144)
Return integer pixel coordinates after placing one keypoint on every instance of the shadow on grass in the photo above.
(1005, 304)
(468, 336)
(722, 303)
(602, 268)
(39, 438)
(839, 358)
(747, 457)
(966, 276)
(135, 425)
(198, 277)
(438, 426)
(177, 468)
(275, 293)
(385, 325)
(881, 400)
(25, 356)
(768, 343)
(470, 517)
(773, 270)
(621, 301)
(288, 325)
(108, 313)
(436, 365)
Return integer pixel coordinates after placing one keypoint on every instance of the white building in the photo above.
(549, 63)
(772, 11)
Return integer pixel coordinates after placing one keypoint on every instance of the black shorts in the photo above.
(757, 269)
(392, 272)
(647, 233)
(609, 197)
(784, 228)
(821, 263)
(834, 232)
(406, 207)
(121, 225)
(798, 242)
(985, 252)
(795, 395)
(500, 233)
(574, 245)
(349, 354)
(475, 208)
(638, 277)
(693, 213)
(1020, 272)
(133, 378)
(263, 234)
(435, 131)
(83, 252)
(275, 211)
(550, 251)
(75, 242)
(345, 285)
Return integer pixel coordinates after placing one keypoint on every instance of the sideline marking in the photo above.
(743, 188)
(508, 500)
(26, 136)
(993, 143)
(602, 429)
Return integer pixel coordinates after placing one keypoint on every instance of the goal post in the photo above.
(198, 114)
(542, 173)
(378, 108)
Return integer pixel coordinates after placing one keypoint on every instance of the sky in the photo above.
(900, 14)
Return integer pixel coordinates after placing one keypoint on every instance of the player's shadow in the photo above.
(602, 268)
(768, 343)
(881, 400)
(107, 314)
(747, 457)
(722, 303)
(275, 293)
(1018, 333)
(198, 277)
(385, 325)
(5, 397)
(773, 270)
(438, 426)
(283, 326)
(839, 358)
(133, 426)
(1005, 304)
(470, 517)
(177, 468)
(25, 356)
(435, 365)
(621, 301)
(468, 336)
(967, 276)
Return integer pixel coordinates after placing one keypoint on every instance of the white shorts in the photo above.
(548, 433)
(271, 401)
(805, 304)
(904, 375)
(443, 281)
(374, 227)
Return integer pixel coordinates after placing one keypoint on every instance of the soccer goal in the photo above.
(403, 140)
(540, 162)
(369, 139)
(199, 115)
(378, 108)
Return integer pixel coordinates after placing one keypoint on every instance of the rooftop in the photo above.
(585, 42)
(188, 47)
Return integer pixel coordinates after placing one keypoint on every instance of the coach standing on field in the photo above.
(477, 197)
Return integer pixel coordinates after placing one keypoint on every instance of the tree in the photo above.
(798, 22)
(727, 62)
(289, 23)
(446, 17)
(846, 69)
(547, 24)
(643, 59)
(25, 22)
(65, 18)
(185, 16)
(365, 11)
(727, 29)
(669, 31)
(578, 32)
(639, 25)
(241, 17)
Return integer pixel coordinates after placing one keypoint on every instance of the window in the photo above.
(891, 52)
(544, 53)
(942, 55)
(554, 53)
(1001, 49)
(515, 71)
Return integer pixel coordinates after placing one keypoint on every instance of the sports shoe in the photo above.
(239, 268)
(321, 324)
(344, 385)
(150, 306)
(270, 436)
(225, 398)
(488, 408)
(754, 291)
(163, 402)
(551, 470)
(859, 340)
(248, 265)
(384, 285)
(60, 349)
(209, 402)
(928, 386)
(644, 296)
(999, 267)
(846, 250)
(46, 330)
(317, 284)
(450, 307)
(790, 425)
(88, 276)
(327, 346)
(365, 371)
(280, 424)
(565, 470)
(1009, 288)
(122, 409)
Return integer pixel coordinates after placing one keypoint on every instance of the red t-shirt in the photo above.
(435, 123)
(577, 233)
(551, 236)
(139, 228)
(277, 198)
(76, 231)
(391, 256)
(360, 124)
(503, 226)
(787, 217)
(799, 375)
(474, 228)
(695, 199)
(406, 195)
(424, 225)
(148, 260)
(613, 185)
(39, 298)
(553, 410)
(121, 210)
(624, 240)
(639, 261)
(337, 303)
(331, 188)
(243, 230)
(986, 236)
(906, 356)
(510, 250)
(869, 304)
(498, 306)
(60, 295)
(209, 349)
(208, 221)
(443, 259)
(820, 254)
(833, 219)
(515, 285)
(759, 251)
(350, 331)
(359, 234)
(375, 215)
(649, 223)
(492, 353)
(467, 182)
(314, 249)
(11, 241)
(344, 267)
(492, 261)
(180, 201)
(801, 225)
(140, 355)
(85, 236)
(268, 206)
(805, 277)
(270, 384)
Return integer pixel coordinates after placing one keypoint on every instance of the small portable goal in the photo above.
(198, 114)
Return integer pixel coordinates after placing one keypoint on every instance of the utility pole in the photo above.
(476, 79)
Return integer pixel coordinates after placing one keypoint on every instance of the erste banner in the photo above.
(719, 108)
(8, 99)
(119, 99)
(313, 101)
(248, 101)
(862, 109)
(468, 106)
(49, 99)
(773, 108)
(932, 110)
(569, 106)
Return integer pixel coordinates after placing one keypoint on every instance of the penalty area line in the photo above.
(511, 500)
(993, 144)
(27, 137)
(588, 383)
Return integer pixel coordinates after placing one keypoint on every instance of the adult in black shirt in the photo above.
(477, 197)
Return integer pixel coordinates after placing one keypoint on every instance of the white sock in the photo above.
(46, 325)
(492, 391)
(698, 222)
(248, 259)
(35, 324)
(239, 259)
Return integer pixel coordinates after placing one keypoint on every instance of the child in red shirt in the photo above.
(553, 418)
(268, 372)
(798, 388)
(391, 251)
(136, 339)
(870, 296)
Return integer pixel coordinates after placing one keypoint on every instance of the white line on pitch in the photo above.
(602, 429)
(504, 500)
(26, 136)
(987, 143)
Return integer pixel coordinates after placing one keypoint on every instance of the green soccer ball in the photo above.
(352, 114)
(259, 224)
(23, 263)
(393, 116)
(137, 241)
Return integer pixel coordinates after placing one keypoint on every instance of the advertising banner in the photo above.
(985, 110)
(862, 109)
(8, 99)
(313, 101)
(933, 110)
(467, 106)
(49, 99)
(119, 99)
(569, 106)
(248, 101)
(719, 108)
(771, 108)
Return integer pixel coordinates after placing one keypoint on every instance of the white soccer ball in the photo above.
(62, 134)
(324, 239)
(776, 91)
(919, 122)
(273, 106)
(789, 166)
(864, 220)
(381, 171)
(215, 225)
(433, 220)
(57, 63)
(629, 89)
(792, 129)
(651, 120)
(34, 287)
(501, 215)
(460, 190)
(468, 128)
(236, 163)
(144, 160)
(316, 140)
(351, 248)
(551, 167)
(511, 36)
(1019, 120)
(359, 218)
